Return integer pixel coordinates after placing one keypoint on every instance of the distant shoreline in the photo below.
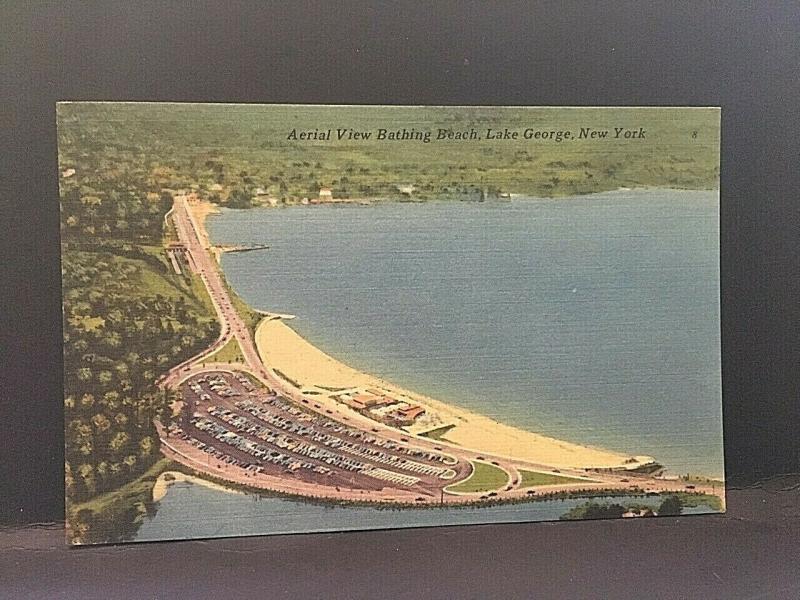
(503, 197)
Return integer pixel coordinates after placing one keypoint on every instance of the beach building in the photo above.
(642, 512)
(177, 253)
(366, 400)
(325, 194)
(362, 400)
(407, 415)
(357, 400)
(406, 189)
(262, 196)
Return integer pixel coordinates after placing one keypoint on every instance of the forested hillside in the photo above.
(128, 317)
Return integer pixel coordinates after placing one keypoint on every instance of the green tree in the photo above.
(101, 423)
(119, 442)
(86, 474)
(240, 198)
(594, 510)
(670, 506)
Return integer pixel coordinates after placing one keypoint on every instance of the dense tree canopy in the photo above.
(128, 317)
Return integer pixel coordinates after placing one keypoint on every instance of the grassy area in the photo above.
(484, 478)
(285, 377)
(438, 433)
(147, 281)
(254, 380)
(199, 290)
(158, 253)
(691, 500)
(231, 352)
(140, 276)
(534, 478)
(167, 286)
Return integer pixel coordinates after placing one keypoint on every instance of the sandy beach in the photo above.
(298, 360)
(199, 211)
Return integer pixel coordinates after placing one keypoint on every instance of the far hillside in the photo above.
(240, 155)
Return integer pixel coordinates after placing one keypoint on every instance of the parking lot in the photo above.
(235, 424)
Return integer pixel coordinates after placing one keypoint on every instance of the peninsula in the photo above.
(286, 417)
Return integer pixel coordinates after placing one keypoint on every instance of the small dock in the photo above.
(273, 316)
(242, 248)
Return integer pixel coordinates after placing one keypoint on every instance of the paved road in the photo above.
(232, 325)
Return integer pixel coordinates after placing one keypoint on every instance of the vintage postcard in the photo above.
(297, 318)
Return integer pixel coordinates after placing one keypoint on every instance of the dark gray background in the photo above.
(742, 58)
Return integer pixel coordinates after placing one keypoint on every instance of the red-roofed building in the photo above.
(361, 401)
(407, 416)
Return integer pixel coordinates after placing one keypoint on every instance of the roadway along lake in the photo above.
(593, 319)
(194, 511)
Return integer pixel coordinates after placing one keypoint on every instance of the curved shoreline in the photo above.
(218, 482)
(285, 361)
(163, 484)
(303, 364)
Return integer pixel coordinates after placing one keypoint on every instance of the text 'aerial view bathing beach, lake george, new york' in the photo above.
(311, 318)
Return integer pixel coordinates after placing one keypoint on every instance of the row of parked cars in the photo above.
(332, 441)
(261, 453)
(214, 452)
(243, 424)
(276, 401)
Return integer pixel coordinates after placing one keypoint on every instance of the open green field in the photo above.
(231, 352)
(484, 478)
(534, 478)
(438, 434)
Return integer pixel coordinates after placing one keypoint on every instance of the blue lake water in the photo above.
(593, 319)
(194, 511)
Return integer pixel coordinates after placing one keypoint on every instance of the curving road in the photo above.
(202, 263)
